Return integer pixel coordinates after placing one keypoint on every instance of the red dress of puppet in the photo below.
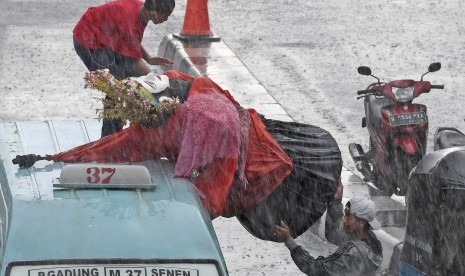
(239, 161)
(224, 149)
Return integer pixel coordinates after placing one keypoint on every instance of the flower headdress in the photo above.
(129, 100)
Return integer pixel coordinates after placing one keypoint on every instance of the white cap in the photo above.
(364, 208)
(153, 83)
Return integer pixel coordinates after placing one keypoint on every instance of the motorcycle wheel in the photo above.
(384, 187)
(407, 163)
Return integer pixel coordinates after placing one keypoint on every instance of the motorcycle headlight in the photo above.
(403, 94)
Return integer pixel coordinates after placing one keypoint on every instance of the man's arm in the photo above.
(347, 260)
(307, 264)
(344, 261)
(154, 60)
(334, 231)
(301, 257)
(142, 68)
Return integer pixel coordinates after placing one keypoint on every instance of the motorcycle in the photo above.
(398, 130)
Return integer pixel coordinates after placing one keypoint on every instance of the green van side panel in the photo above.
(40, 222)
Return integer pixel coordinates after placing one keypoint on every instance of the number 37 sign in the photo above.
(105, 174)
(100, 175)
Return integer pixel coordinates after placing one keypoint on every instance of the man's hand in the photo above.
(281, 233)
(26, 161)
(159, 61)
(338, 195)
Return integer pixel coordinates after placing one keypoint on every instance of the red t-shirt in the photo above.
(114, 25)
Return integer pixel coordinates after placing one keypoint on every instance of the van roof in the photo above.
(40, 222)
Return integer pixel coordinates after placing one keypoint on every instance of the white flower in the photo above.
(164, 99)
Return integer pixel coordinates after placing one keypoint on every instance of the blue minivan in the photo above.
(97, 219)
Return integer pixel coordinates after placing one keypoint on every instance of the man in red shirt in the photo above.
(109, 37)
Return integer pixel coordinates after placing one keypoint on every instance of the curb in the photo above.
(217, 61)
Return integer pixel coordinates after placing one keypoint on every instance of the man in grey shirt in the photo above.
(359, 251)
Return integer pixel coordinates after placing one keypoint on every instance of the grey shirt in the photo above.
(352, 257)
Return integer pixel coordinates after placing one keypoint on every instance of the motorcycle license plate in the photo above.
(414, 118)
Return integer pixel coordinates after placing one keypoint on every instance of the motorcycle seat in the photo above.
(445, 138)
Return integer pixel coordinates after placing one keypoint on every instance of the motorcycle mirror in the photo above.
(364, 70)
(433, 67)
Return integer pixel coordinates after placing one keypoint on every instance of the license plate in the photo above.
(175, 269)
(414, 118)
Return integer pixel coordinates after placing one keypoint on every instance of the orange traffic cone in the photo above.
(196, 22)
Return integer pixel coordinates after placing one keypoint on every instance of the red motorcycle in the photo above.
(398, 131)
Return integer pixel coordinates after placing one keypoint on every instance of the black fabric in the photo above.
(304, 195)
(121, 67)
(445, 138)
(178, 89)
(110, 127)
